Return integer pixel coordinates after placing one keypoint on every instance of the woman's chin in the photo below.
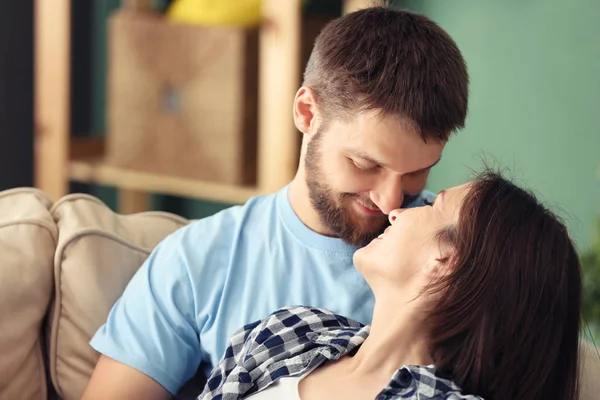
(361, 257)
(357, 257)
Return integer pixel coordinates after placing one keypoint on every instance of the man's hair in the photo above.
(397, 62)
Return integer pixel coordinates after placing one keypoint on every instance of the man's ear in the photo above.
(306, 111)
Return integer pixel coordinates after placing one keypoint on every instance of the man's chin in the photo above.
(364, 233)
(374, 224)
(359, 240)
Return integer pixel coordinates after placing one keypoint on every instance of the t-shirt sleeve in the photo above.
(153, 327)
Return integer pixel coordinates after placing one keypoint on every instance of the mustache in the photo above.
(407, 199)
(366, 202)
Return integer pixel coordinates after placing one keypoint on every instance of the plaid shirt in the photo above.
(294, 340)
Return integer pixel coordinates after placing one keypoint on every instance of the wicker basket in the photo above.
(182, 99)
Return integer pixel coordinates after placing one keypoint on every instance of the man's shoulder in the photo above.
(212, 240)
(419, 200)
(225, 222)
(255, 206)
(427, 195)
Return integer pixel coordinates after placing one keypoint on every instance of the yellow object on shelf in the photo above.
(216, 12)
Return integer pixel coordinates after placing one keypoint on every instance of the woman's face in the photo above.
(408, 252)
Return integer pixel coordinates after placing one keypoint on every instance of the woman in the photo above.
(477, 296)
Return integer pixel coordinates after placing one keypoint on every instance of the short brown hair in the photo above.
(395, 61)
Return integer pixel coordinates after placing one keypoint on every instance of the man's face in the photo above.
(358, 171)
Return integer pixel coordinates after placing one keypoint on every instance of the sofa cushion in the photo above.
(590, 371)
(98, 252)
(27, 241)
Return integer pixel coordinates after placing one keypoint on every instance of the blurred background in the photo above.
(118, 90)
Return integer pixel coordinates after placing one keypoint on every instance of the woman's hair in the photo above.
(508, 321)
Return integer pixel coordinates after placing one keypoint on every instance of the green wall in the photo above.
(535, 98)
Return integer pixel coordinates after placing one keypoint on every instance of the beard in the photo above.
(336, 210)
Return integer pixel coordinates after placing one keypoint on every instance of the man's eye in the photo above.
(364, 166)
(418, 173)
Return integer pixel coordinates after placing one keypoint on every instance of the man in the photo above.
(382, 93)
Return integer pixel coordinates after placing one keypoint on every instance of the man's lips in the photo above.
(368, 210)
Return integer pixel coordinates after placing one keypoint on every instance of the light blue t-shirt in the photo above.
(210, 278)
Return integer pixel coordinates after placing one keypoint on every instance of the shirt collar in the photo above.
(422, 379)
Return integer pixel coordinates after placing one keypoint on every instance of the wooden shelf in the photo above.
(59, 157)
(95, 171)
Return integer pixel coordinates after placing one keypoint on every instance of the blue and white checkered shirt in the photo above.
(294, 340)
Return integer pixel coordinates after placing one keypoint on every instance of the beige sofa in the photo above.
(62, 266)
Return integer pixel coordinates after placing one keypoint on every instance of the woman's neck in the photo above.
(396, 338)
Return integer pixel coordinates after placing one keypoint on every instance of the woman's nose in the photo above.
(394, 214)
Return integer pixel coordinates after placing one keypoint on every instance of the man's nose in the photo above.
(389, 196)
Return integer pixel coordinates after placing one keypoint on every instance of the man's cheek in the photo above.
(415, 186)
(353, 183)
(344, 178)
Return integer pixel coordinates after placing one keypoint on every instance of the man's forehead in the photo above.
(373, 121)
(387, 140)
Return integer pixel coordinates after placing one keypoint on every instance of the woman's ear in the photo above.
(442, 264)
(305, 110)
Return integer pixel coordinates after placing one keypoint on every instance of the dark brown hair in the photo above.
(398, 62)
(508, 322)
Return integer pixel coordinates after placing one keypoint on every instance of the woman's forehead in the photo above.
(459, 190)
(453, 197)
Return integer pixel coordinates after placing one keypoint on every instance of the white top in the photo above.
(285, 388)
